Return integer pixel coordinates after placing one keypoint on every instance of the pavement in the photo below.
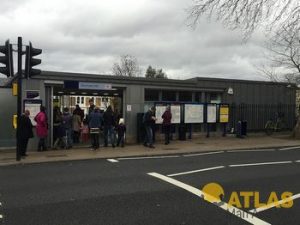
(195, 145)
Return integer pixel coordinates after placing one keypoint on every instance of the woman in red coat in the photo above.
(41, 128)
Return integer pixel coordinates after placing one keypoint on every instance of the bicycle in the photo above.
(275, 126)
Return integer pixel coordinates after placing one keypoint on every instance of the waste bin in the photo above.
(241, 129)
(182, 132)
(244, 128)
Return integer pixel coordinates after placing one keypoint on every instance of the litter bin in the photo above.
(241, 129)
(244, 128)
(182, 132)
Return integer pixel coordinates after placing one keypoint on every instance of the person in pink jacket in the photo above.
(41, 128)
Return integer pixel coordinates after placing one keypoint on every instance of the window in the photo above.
(151, 95)
(169, 95)
(185, 96)
(77, 100)
(82, 100)
(215, 98)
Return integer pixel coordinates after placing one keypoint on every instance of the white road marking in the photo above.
(149, 157)
(223, 205)
(297, 161)
(206, 153)
(1, 217)
(272, 205)
(252, 150)
(289, 148)
(260, 164)
(112, 160)
(196, 171)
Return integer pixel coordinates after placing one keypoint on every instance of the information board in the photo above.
(224, 113)
(193, 113)
(211, 113)
(159, 111)
(34, 108)
(175, 110)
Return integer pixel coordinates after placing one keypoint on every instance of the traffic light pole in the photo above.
(19, 101)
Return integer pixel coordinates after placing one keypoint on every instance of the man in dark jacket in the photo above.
(24, 132)
(148, 120)
(109, 124)
(95, 124)
(167, 117)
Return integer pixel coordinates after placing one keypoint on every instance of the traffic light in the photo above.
(31, 62)
(7, 60)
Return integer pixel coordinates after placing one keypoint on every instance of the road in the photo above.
(159, 190)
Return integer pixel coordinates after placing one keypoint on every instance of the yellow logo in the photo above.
(214, 193)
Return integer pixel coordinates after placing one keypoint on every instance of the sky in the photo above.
(90, 36)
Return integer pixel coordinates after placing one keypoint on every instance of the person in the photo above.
(58, 131)
(167, 117)
(76, 124)
(121, 129)
(67, 127)
(92, 106)
(84, 131)
(24, 132)
(79, 111)
(95, 124)
(109, 123)
(41, 128)
(148, 119)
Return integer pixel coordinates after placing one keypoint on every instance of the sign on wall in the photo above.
(193, 113)
(175, 110)
(159, 111)
(34, 108)
(224, 113)
(211, 113)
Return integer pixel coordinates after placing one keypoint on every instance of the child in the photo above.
(121, 129)
(85, 131)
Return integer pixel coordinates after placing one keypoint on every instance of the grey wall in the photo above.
(7, 110)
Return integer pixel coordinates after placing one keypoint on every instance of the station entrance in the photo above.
(58, 98)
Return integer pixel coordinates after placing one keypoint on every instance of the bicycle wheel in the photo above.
(269, 128)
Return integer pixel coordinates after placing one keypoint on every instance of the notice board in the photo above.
(211, 113)
(176, 114)
(33, 105)
(193, 113)
(224, 113)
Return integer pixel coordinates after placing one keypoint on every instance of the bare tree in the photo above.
(128, 66)
(247, 15)
(284, 56)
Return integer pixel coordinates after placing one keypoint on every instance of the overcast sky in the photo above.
(89, 36)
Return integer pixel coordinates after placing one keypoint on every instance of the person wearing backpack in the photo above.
(148, 120)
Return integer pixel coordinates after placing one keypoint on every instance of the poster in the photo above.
(159, 111)
(175, 110)
(224, 113)
(211, 113)
(34, 108)
(193, 113)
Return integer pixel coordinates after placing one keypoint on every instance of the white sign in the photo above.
(159, 111)
(193, 113)
(211, 113)
(34, 109)
(94, 86)
(175, 110)
(128, 108)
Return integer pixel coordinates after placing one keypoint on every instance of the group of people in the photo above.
(109, 122)
(68, 128)
(149, 120)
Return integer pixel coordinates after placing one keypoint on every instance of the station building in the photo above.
(253, 101)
